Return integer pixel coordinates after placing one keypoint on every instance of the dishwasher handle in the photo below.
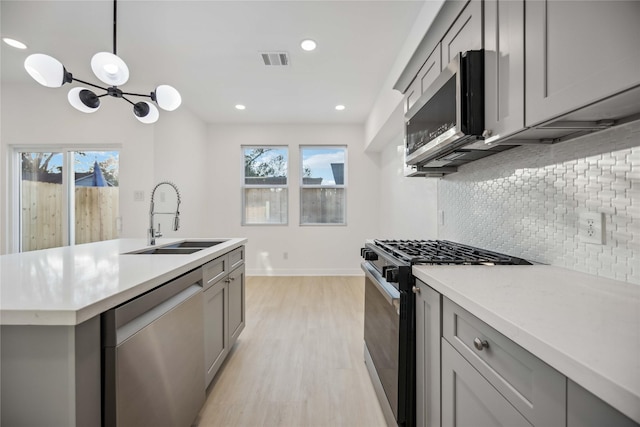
(117, 318)
(129, 329)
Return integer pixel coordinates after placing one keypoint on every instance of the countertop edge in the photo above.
(73, 317)
(622, 399)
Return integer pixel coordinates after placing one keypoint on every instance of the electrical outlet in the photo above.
(138, 196)
(591, 227)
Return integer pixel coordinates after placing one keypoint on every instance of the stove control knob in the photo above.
(370, 255)
(391, 274)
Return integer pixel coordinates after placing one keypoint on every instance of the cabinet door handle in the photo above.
(232, 278)
(480, 344)
(416, 290)
(228, 280)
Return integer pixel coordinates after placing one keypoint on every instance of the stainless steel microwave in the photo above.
(449, 115)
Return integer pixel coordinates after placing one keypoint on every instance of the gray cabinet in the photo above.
(504, 67)
(578, 52)
(586, 410)
(236, 304)
(427, 74)
(428, 333)
(532, 388)
(468, 399)
(465, 33)
(224, 308)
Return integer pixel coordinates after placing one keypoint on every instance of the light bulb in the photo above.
(45, 69)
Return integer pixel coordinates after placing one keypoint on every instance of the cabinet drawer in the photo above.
(236, 257)
(214, 270)
(535, 389)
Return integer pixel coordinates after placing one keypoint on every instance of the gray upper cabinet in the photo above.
(465, 33)
(504, 67)
(428, 333)
(578, 52)
(427, 74)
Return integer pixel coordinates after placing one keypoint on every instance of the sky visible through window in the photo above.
(85, 163)
(319, 161)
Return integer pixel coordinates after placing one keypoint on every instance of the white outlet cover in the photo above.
(591, 227)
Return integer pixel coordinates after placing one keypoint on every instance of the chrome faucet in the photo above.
(152, 233)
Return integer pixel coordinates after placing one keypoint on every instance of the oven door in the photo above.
(382, 338)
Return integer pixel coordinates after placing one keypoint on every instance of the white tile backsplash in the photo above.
(526, 202)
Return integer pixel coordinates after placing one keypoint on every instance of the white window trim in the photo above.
(311, 186)
(243, 186)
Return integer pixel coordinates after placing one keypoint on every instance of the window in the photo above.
(323, 187)
(265, 186)
(65, 197)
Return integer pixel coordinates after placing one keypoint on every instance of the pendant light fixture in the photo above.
(109, 69)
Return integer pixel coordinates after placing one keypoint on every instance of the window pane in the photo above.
(96, 195)
(265, 205)
(41, 201)
(323, 166)
(265, 166)
(322, 206)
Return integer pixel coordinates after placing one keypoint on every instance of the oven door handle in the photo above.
(391, 294)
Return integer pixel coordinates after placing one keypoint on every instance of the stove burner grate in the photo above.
(444, 252)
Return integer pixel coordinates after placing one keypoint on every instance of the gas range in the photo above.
(389, 314)
(393, 257)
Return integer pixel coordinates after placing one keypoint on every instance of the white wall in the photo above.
(408, 206)
(180, 157)
(312, 250)
(35, 115)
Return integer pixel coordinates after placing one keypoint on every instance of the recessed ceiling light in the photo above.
(340, 107)
(308, 45)
(14, 43)
(240, 107)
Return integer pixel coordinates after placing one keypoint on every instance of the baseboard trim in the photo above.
(305, 272)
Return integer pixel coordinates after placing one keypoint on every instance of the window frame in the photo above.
(304, 186)
(244, 185)
(68, 197)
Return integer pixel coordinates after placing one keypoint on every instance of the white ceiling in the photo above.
(210, 51)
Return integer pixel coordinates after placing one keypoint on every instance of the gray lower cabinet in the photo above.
(531, 387)
(504, 67)
(428, 332)
(224, 308)
(577, 53)
(469, 400)
(586, 410)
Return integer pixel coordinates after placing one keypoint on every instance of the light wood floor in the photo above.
(299, 361)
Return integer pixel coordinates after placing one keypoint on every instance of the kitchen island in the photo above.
(50, 306)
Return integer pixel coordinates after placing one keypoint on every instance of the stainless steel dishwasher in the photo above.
(154, 357)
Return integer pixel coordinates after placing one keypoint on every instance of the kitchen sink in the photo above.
(166, 251)
(185, 247)
(196, 244)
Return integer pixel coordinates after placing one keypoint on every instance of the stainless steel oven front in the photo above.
(382, 340)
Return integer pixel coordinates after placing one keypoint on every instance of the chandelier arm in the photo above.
(87, 83)
(132, 103)
(136, 94)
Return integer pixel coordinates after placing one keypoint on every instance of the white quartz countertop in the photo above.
(68, 285)
(584, 326)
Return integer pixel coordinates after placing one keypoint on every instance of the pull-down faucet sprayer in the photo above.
(151, 232)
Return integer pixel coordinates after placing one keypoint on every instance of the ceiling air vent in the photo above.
(275, 58)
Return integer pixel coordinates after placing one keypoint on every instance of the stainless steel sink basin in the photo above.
(166, 251)
(185, 247)
(196, 244)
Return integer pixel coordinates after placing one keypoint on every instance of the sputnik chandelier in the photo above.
(111, 70)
